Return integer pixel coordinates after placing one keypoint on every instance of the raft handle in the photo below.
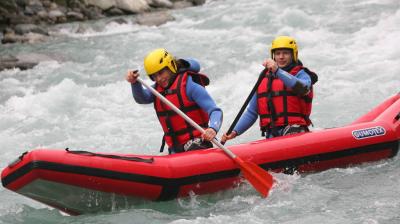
(17, 160)
(397, 116)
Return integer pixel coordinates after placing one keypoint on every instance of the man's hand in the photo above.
(209, 134)
(271, 65)
(226, 137)
(132, 76)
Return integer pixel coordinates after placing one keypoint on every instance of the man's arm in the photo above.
(199, 94)
(299, 83)
(141, 95)
(248, 117)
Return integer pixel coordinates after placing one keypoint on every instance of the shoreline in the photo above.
(32, 21)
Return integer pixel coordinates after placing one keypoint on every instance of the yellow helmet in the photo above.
(157, 60)
(284, 42)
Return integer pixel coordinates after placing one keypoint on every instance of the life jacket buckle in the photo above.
(293, 129)
(193, 144)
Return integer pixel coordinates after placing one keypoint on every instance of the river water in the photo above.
(83, 102)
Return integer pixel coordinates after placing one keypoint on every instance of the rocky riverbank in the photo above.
(30, 21)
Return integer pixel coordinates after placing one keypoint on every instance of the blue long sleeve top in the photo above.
(194, 91)
(250, 115)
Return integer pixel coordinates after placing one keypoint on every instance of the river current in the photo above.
(82, 101)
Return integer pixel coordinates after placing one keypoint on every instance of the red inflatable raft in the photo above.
(79, 182)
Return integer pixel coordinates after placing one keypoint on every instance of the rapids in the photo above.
(83, 102)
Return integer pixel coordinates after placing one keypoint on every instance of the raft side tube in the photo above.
(391, 114)
(323, 145)
(375, 112)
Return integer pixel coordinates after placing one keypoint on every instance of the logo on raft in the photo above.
(368, 132)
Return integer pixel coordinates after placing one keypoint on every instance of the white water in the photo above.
(83, 102)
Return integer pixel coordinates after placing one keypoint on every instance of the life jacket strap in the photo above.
(162, 144)
(184, 131)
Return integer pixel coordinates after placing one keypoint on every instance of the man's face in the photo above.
(283, 57)
(162, 77)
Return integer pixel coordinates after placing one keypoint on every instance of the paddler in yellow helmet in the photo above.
(283, 98)
(180, 82)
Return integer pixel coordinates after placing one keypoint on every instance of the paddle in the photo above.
(260, 78)
(260, 179)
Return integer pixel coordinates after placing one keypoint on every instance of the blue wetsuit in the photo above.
(250, 115)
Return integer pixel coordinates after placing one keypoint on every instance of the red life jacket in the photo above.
(278, 105)
(176, 130)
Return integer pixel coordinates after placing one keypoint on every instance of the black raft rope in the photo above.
(134, 159)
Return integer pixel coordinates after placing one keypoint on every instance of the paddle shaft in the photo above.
(260, 78)
(184, 116)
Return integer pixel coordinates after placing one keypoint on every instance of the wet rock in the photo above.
(182, 4)
(9, 5)
(102, 4)
(92, 12)
(76, 4)
(19, 19)
(28, 11)
(35, 6)
(53, 6)
(161, 4)
(22, 29)
(85, 28)
(3, 12)
(75, 16)
(23, 61)
(8, 58)
(63, 3)
(154, 18)
(43, 15)
(118, 21)
(22, 3)
(56, 16)
(33, 58)
(10, 36)
(10, 62)
(32, 38)
(53, 14)
(198, 2)
(114, 12)
(46, 3)
(20, 65)
(136, 6)
(13, 13)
